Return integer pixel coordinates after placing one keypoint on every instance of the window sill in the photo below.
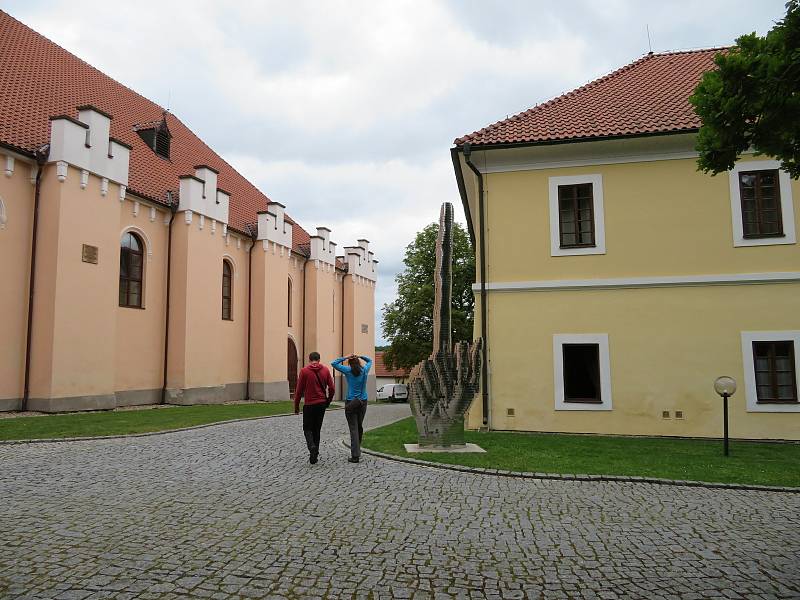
(765, 236)
(783, 402)
(582, 401)
(134, 307)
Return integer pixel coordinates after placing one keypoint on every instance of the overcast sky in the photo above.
(345, 111)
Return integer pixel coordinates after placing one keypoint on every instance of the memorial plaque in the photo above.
(364, 328)
(89, 254)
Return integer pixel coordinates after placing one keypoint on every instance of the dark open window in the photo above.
(227, 291)
(776, 379)
(156, 136)
(582, 373)
(761, 204)
(131, 267)
(576, 215)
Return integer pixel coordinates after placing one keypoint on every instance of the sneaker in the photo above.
(353, 459)
(312, 458)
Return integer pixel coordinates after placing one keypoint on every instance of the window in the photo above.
(577, 223)
(157, 136)
(582, 374)
(761, 203)
(774, 371)
(289, 307)
(575, 215)
(227, 291)
(771, 367)
(131, 267)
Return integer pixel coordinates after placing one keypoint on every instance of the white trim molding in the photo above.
(748, 337)
(3, 214)
(597, 210)
(643, 282)
(787, 205)
(601, 339)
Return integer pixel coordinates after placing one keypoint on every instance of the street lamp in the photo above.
(725, 386)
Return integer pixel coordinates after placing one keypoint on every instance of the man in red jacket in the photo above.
(315, 385)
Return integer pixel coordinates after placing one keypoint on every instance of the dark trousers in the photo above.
(355, 423)
(312, 424)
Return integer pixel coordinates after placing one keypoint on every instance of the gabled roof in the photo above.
(39, 79)
(381, 370)
(648, 96)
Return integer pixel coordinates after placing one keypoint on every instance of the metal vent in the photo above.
(665, 414)
(510, 412)
(678, 414)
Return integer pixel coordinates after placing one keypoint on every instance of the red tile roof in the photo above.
(650, 95)
(39, 79)
(381, 370)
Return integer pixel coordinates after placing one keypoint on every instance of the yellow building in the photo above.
(619, 281)
(139, 267)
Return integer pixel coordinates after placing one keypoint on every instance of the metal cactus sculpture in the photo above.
(444, 385)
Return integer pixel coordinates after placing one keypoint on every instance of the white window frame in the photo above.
(787, 205)
(597, 209)
(601, 339)
(748, 337)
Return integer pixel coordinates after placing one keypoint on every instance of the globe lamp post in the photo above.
(726, 387)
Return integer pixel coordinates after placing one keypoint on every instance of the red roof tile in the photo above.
(381, 370)
(650, 95)
(39, 79)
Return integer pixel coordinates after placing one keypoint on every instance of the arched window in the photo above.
(227, 291)
(289, 309)
(131, 268)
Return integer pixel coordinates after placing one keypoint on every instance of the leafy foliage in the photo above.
(408, 320)
(753, 99)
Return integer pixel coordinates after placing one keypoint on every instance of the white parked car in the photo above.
(394, 392)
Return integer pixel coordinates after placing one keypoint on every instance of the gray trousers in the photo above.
(355, 423)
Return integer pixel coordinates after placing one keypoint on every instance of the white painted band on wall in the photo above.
(642, 282)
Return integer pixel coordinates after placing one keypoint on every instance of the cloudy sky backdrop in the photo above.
(345, 111)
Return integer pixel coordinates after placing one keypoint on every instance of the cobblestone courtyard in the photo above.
(236, 511)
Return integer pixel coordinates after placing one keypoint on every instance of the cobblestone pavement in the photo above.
(236, 511)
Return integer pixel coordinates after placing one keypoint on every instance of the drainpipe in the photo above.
(305, 282)
(484, 308)
(173, 208)
(341, 343)
(249, 310)
(41, 159)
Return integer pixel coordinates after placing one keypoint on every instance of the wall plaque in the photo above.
(364, 328)
(89, 254)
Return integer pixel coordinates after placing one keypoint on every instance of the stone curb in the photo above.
(578, 477)
(144, 434)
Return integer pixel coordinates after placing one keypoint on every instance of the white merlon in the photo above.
(199, 193)
(322, 248)
(361, 262)
(85, 143)
(272, 225)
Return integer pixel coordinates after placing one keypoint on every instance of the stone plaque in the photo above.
(364, 328)
(89, 254)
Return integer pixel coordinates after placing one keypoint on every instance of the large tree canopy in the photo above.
(752, 99)
(408, 321)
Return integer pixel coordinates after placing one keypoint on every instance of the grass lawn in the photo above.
(122, 422)
(700, 460)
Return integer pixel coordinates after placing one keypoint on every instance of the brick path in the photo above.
(236, 511)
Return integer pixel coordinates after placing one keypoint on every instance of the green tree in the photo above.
(752, 99)
(408, 320)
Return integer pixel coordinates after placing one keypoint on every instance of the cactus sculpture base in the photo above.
(443, 386)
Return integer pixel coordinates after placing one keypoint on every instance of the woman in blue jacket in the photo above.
(356, 403)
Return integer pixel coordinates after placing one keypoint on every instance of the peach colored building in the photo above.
(139, 267)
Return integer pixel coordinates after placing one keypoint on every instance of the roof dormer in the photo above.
(156, 135)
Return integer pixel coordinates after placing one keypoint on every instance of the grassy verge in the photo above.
(132, 421)
(700, 460)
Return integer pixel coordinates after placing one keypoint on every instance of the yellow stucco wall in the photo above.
(16, 193)
(666, 344)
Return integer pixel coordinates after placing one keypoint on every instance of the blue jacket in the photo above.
(356, 386)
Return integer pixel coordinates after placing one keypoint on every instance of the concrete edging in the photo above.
(143, 434)
(578, 477)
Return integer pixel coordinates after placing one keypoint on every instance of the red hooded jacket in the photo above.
(309, 387)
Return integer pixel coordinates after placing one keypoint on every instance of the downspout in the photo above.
(484, 308)
(41, 159)
(305, 282)
(173, 208)
(341, 343)
(249, 311)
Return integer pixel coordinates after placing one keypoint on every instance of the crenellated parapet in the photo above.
(274, 228)
(86, 144)
(200, 195)
(323, 250)
(361, 262)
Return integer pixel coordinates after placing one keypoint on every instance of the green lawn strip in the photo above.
(699, 460)
(124, 422)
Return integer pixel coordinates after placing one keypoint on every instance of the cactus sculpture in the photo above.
(444, 385)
